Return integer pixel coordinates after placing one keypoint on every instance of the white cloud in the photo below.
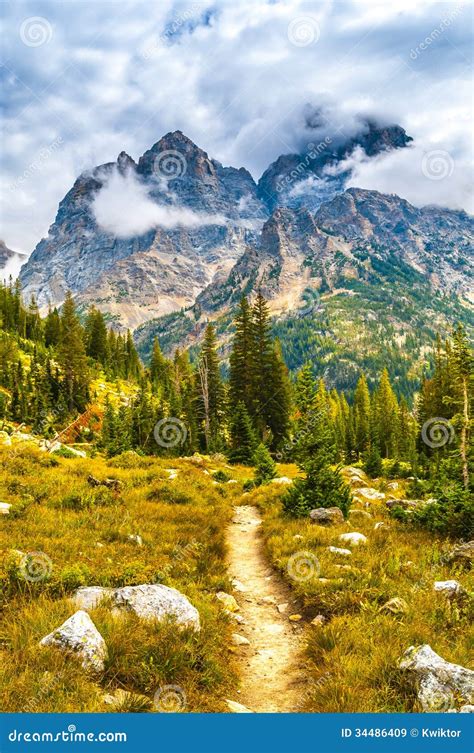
(124, 208)
(232, 81)
(420, 174)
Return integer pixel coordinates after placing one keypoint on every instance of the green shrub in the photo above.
(322, 487)
(221, 476)
(373, 462)
(265, 466)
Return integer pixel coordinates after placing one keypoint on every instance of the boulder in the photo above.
(5, 508)
(462, 554)
(240, 640)
(228, 601)
(356, 482)
(149, 601)
(135, 538)
(319, 620)
(5, 439)
(381, 525)
(89, 597)
(237, 708)
(281, 480)
(395, 606)
(367, 492)
(80, 636)
(352, 471)
(361, 514)
(393, 486)
(353, 538)
(448, 587)
(337, 550)
(440, 684)
(327, 516)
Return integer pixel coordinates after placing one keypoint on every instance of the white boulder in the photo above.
(80, 636)
(353, 538)
(448, 587)
(368, 493)
(149, 601)
(440, 684)
(337, 550)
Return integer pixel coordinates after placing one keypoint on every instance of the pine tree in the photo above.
(52, 328)
(265, 466)
(385, 417)
(241, 387)
(362, 415)
(96, 336)
(322, 485)
(463, 376)
(305, 390)
(211, 394)
(72, 357)
(243, 442)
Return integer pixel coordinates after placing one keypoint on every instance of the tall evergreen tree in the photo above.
(72, 357)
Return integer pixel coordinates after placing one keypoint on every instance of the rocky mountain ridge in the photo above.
(208, 216)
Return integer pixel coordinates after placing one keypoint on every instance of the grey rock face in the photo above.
(80, 636)
(441, 685)
(149, 601)
(136, 278)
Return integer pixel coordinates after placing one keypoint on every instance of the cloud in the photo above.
(118, 75)
(123, 208)
(421, 174)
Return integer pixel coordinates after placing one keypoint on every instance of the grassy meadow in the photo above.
(352, 657)
(88, 536)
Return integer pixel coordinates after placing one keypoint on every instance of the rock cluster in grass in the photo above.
(441, 686)
(153, 601)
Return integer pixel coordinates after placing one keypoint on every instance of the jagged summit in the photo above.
(206, 233)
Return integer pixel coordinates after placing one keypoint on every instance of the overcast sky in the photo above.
(83, 80)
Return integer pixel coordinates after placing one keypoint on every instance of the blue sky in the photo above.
(83, 80)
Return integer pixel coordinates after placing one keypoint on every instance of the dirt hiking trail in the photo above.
(272, 677)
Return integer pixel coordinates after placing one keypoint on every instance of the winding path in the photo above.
(272, 676)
